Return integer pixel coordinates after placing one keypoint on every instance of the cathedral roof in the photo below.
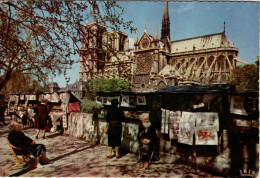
(218, 40)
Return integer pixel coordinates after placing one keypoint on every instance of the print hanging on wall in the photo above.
(237, 105)
(186, 128)
(141, 100)
(125, 101)
(207, 119)
(206, 136)
(132, 101)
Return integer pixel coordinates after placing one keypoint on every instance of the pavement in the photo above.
(77, 158)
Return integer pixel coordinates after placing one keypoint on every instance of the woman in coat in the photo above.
(115, 117)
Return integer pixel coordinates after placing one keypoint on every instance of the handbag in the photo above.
(106, 128)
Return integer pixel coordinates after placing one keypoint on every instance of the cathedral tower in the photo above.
(165, 31)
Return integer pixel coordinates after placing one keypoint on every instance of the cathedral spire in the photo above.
(224, 26)
(165, 31)
(136, 37)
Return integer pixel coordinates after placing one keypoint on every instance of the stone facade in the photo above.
(156, 63)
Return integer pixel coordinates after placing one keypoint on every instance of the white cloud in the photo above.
(184, 8)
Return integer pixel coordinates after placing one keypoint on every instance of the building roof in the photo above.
(196, 89)
(202, 43)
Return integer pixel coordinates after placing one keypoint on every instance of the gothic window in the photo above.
(210, 60)
(145, 43)
(221, 61)
(144, 64)
(200, 61)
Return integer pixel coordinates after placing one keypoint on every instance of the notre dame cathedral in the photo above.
(156, 63)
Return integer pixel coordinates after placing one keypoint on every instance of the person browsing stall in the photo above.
(115, 117)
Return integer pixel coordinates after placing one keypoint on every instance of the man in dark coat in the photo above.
(147, 140)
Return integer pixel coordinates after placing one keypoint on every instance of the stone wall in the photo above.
(82, 125)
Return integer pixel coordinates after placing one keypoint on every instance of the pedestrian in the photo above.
(147, 141)
(2, 112)
(17, 138)
(43, 119)
(114, 117)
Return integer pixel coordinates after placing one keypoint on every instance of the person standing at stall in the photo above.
(43, 119)
(115, 117)
(2, 112)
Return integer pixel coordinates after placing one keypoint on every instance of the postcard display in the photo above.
(183, 125)
(126, 101)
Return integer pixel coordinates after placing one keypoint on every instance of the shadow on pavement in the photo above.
(77, 150)
(53, 135)
(73, 152)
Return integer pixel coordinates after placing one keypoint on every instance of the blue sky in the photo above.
(192, 19)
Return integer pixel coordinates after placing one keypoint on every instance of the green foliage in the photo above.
(39, 38)
(22, 84)
(88, 105)
(105, 85)
(245, 77)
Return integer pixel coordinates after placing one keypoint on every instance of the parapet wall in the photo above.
(83, 126)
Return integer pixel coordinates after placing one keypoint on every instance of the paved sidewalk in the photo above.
(77, 158)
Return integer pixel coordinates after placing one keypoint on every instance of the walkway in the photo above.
(77, 158)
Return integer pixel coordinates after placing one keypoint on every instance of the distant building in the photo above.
(156, 63)
(77, 88)
(53, 87)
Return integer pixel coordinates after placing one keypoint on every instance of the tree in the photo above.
(26, 84)
(245, 77)
(104, 85)
(39, 38)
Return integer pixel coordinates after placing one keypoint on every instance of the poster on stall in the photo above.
(141, 100)
(163, 121)
(64, 121)
(186, 128)
(64, 116)
(171, 125)
(206, 136)
(237, 105)
(125, 101)
(22, 97)
(99, 99)
(166, 124)
(186, 131)
(105, 100)
(30, 97)
(132, 101)
(176, 122)
(207, 119)
(188, 117)
(64, 107)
